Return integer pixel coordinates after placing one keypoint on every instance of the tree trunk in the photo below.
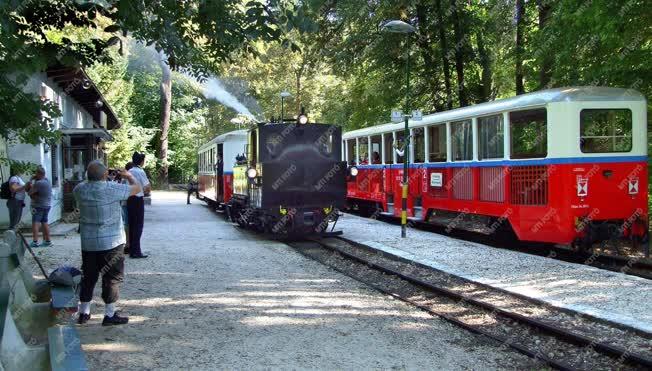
(518, 51)
(485, 62)
(459, 55)
(441, 26)
(546, 61)
(164, 123)
(425, 45)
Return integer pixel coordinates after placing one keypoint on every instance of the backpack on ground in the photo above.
(5, 191)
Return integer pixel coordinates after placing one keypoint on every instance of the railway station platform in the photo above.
(612, 296)
(211, 296)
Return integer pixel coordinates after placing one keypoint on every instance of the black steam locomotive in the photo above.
(292, 180)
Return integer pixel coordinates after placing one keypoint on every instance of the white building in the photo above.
(85, 123)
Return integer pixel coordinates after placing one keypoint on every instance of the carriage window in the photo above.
(419, 145)
(350, 151)
(605, 130)
(399, 145)
(437, 143)
(363, 151)
(374, 149)
(389, 148)
(529, 133)
(325, 143)
(462, 140)
(490, 133)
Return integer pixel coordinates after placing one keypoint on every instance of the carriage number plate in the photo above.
(436, 179)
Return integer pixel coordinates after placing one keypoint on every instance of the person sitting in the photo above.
(375, 158)
(102, 238)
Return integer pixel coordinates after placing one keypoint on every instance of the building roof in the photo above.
(535, 99)
(71, 80)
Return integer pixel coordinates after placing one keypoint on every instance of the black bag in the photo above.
(5, 191)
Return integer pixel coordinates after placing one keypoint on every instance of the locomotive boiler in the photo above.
(291, 179)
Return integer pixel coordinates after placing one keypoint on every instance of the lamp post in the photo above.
(284, 94)
(397, 26)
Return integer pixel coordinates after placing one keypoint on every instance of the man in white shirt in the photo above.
(17, 201)
(136, 206)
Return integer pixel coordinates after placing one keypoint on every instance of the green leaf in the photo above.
(112, 28)
(113, 40)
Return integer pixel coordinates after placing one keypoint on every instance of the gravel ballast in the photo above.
(211, 296)
(612, 296)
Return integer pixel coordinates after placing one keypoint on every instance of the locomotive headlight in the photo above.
(303, 119)
(353, 171)
(251, 173)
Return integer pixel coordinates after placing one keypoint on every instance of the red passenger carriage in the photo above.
(562, 166)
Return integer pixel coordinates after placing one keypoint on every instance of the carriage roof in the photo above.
(535, 99)
(231, 135)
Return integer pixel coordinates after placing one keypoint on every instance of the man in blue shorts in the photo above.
(40, 191)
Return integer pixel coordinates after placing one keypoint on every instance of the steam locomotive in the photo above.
(290, 179)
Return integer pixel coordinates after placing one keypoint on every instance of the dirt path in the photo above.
(213, 297)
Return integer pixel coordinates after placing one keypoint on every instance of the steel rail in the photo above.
(503, 340)
(562, 334)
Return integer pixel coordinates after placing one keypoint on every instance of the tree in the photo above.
(460, 44)
(519, 20)
(195, 36)
(164, 123)
(443, 44)
(545, 69)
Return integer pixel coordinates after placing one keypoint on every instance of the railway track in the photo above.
(559, 339)
(635, 266)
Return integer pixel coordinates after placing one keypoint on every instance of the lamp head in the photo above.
(285, 94)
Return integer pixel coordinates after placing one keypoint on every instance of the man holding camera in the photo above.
(102, 238)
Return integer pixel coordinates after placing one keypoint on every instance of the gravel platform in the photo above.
(612, 296)
(211, 296)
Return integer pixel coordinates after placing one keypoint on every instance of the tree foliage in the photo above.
(196, 37)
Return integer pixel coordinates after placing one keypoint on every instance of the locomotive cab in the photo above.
(293, 180)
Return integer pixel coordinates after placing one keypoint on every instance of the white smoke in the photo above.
(213, 89)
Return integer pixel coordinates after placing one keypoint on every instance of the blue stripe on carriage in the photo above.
(545, 161)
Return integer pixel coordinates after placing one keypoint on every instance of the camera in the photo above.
(114, 175)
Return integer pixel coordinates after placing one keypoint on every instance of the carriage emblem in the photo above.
(633, 186)
(582, 186)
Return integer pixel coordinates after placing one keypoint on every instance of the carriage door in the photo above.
(220, 171)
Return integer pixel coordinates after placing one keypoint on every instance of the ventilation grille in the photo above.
(492, 184)
(529, 185)
(462, 182)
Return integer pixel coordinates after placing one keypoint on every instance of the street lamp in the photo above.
(284, 94)
(397, 26)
